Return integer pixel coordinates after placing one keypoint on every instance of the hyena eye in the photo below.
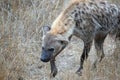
(62, 42)
(51, 49)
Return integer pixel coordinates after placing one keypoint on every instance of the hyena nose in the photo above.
(46, 54)
(44, 58)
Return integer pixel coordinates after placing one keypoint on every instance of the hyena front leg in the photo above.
(99, 40)
(84, 56)
(53, 68)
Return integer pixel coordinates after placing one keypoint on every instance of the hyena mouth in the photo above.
(45, 60)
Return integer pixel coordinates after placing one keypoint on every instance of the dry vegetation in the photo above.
(20, 45)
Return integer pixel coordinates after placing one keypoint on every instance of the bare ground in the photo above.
(20, 45)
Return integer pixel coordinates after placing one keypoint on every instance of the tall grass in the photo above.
(20, 33)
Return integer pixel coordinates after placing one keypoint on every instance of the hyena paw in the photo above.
(94, 67)
(101, 57)
(79, 72)
(53, 73)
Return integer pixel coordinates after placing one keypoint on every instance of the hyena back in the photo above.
(85, 19)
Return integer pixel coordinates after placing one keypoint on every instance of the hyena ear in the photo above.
(45, 29)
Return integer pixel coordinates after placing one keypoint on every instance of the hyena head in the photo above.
(51, 45)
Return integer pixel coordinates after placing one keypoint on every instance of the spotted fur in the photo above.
(86, 19)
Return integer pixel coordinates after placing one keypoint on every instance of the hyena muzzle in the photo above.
(88, 20)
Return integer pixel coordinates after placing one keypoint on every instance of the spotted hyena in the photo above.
(88, 20)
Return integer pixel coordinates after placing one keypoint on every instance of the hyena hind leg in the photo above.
(99, 40)
(84, 56)
(118, 34)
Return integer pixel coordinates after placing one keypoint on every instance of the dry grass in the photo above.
(20, 45)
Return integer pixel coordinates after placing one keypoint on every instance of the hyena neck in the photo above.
(64, 24)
